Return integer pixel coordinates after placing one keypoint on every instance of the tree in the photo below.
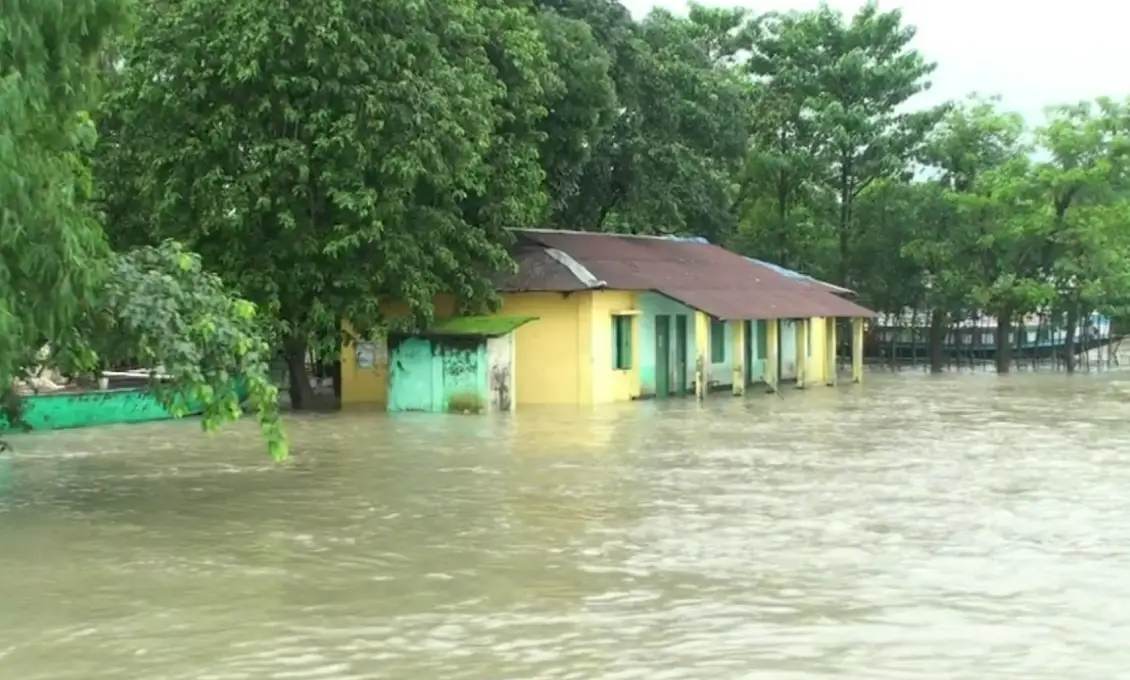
(60, 285)
(53, 254)
(974, 138)
(839, 88)
(666, 162)
(323, 157)
(1084, 184)
(779, 193)
(892, 215)
(582, 108)
(160, 308)
(1050, 227)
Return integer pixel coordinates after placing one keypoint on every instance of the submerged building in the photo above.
(592, 318)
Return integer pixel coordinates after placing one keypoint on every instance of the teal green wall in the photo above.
(654, 304)
(462, 379)
(67, 410)
(437, 376)
(722, 373)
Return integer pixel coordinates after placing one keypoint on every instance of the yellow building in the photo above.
(616, 318)
(571, 354)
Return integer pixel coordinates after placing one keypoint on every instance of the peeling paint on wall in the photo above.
(500, 387)
(500, 357)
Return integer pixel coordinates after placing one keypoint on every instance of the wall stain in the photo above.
(500, 385)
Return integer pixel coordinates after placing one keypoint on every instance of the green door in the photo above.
(662, 355)
(681, 354)
(410, 375)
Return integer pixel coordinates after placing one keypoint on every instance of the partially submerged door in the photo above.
(464, 375)
(662, 355)
(681, 354)
(410, 375)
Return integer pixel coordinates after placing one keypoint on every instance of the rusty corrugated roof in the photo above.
(785, 271)
(537, 271)
(700, 275)
(812, 281)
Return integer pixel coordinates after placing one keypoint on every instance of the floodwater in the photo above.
(914, 527)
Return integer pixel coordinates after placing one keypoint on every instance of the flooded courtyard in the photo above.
(915, 527)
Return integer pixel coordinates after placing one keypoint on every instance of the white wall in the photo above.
(788, 350)
(500, 373)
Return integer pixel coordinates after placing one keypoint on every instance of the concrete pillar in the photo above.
(701, 353)
(802, 353)
(857, 350)
(830, 346)
(815, 372)
(772, 353)
(739, 356)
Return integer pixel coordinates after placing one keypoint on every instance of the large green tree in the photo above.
(53, 254)
(835, 95)
(61, 287)
(323, 157)
(582, 107)
(665, 162)
(1084, 185)
(974, 138)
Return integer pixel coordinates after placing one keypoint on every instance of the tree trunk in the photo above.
(1004, 347)
(937, 340)
(301, 393)
(845, 221)
(337, 378)
(845, 245)
(1070, 335)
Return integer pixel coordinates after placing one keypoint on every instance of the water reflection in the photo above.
(953, 527)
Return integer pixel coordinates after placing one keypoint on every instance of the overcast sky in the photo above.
(1031, 53)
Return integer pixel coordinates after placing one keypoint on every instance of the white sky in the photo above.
(1031, 53)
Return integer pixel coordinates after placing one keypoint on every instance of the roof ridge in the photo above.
(610, 234)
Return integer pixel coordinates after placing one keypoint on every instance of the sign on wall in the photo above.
(369, 354)
(366, 354)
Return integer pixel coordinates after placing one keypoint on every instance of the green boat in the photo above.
(70, 408)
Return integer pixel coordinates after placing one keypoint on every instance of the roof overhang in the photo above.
(475, 326)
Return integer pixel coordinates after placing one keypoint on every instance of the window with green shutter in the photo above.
(621, 342)
(717, 341)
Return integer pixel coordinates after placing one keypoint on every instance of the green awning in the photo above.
(483, 326)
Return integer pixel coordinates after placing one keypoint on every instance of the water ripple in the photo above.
(951, 528)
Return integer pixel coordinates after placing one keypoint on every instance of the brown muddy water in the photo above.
(914, 527)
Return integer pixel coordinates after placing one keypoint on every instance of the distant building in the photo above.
(595, 318)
